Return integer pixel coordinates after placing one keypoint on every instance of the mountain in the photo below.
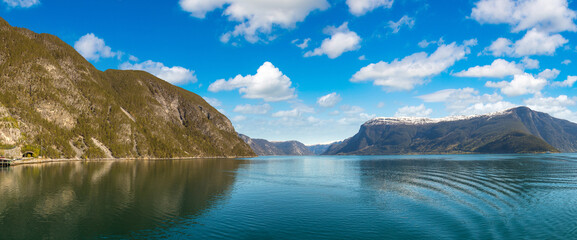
(517, 130)
(55, 103)
(265, 148)
(319, 149)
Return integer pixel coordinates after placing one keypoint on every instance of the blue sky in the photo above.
(315, 70)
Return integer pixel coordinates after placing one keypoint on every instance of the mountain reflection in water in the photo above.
(91, 199)
(524, 196)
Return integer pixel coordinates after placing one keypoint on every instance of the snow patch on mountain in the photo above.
(424, 120)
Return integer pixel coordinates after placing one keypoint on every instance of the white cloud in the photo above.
(484, 108)
(566, 62)
(468, 43)
(133, 58)
(549, 74)
(538, 43)
(256, 17)
(567, 83)
(558, 107)
(239, 118)
(405, 20)
(304, 44)
(199, 8)
(467, 101)
(213, 101)
(329, 100)
(530, 63)
(412, 70)
(520, 85)
(424, 43)
(287, 114)
(341, 40)
(500, 47)
(498, 69)
(174, 75)
(361, 7)
(533, 43)
(414, 111)
(362, 58)
(93, 48)
(350, 110)
(544, 15)
(22, 3)
(269, 84)
(253, 109)
(355, 119)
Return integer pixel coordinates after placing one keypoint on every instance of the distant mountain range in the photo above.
(55, 103)
(319, 149)
(517, 130)
(264, 147)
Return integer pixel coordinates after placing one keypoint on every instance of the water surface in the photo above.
(332, 197)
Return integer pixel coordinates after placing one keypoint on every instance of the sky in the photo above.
(315, 70)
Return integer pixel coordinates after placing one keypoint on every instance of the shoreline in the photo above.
(57, 160)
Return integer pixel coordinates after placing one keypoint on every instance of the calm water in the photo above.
(381, 197)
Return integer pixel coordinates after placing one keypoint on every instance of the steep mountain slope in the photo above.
(265, 148)
(517, 130)
(319, 149)
(55, 103)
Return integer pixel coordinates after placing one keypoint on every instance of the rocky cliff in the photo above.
(55, 103)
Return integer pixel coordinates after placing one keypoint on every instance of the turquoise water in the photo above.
(325, 197)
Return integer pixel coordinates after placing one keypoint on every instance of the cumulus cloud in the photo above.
(544, 15)
(538, 43)
(199, 8)
(567, 83)
(297, 111)
(341, 40)
(255, 17)
(530, 63)
(269, 84)
(174, 75)
(566, 62)
(558, 107)
(549, 74)
(520, 85)
(361, 7)
(414, 111)
(404, 21)
(533, 43)
(500, 47)
(21, 3)
(329, 100)
(498, 69)
(412, 70)
(468, 101)
(253, 109)
(93, 48)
